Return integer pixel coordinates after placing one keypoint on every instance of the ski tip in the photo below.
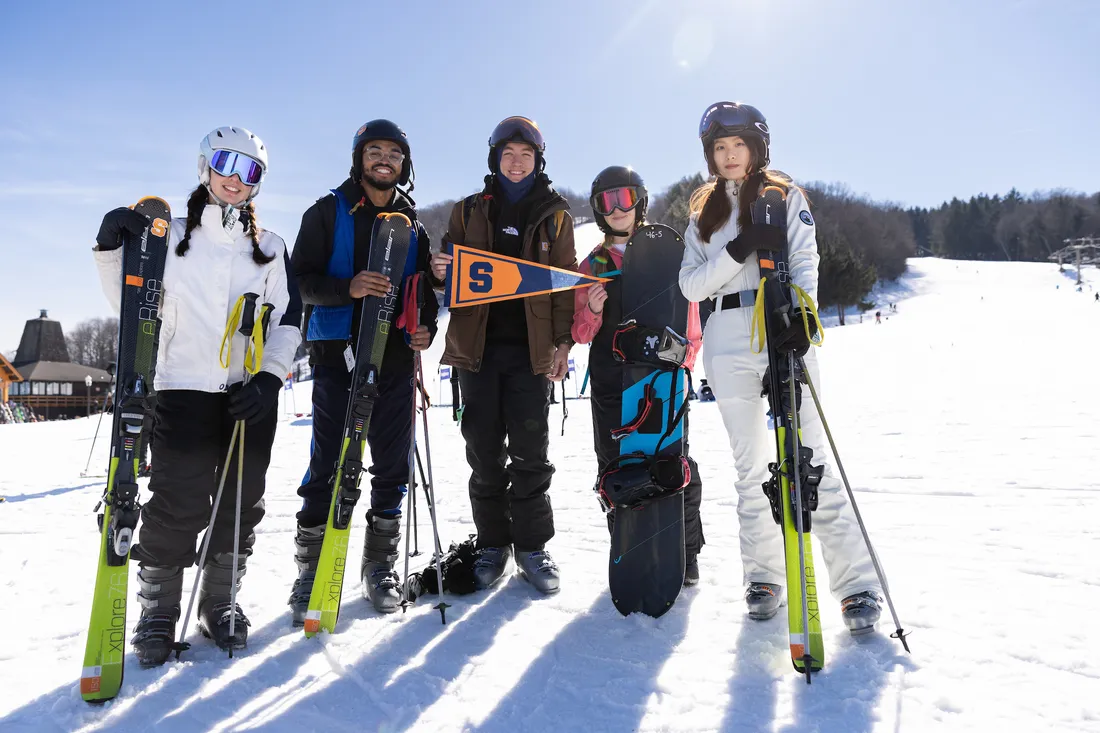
(386, 215)
(151, 199)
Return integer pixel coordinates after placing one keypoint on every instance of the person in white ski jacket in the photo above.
(720, 262)
(217, 253)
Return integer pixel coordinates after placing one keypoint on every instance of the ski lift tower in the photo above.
(1085, 249)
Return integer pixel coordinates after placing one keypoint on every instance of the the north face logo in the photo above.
(511, 230)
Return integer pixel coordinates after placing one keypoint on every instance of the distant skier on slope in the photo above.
(219, 253)
(720, 262)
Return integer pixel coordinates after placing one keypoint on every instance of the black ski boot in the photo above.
(307, 553)
(159, 593)
(691, 571)
(381, 584)
(215, 606)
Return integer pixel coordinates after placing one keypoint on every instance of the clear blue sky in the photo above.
(913, 101)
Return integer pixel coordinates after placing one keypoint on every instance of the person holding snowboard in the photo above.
(330, 262)
(218, 254)
(619, 200)
(720, 262)
(505, 352)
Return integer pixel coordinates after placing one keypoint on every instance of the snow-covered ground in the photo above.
(968, 421)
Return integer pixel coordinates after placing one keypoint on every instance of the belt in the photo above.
(740, 299)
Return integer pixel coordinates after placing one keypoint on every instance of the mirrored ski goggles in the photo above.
(228, 162)
(732, 116)
(625, 198)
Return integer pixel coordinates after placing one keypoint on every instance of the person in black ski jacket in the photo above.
(505, 352)
(330, 262)
(218, 253)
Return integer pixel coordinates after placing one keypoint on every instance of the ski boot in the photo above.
(861, 612)
(215, 605)
(381, 584)
(539, 569)
(159, 593)
(764, 600)
(691, 572)
(307, 553)
(490, 565)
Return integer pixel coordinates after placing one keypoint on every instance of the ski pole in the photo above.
(429, 493)
(256, 331)
(412, 490)
(412, 500)
(94, 437)
(899, 633)
(182, 645)
(236, 538)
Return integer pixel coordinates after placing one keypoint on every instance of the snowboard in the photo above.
(392, 237)
(647, 563)
(803, 613)
(138, 329)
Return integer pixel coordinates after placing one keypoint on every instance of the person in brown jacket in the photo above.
(506, 352)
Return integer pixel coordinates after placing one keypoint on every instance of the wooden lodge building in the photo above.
(46, 381)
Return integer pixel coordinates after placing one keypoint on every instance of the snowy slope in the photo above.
(968, 423)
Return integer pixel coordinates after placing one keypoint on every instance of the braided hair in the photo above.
(196, 204)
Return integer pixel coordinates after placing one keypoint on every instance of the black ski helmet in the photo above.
(734, 119)
(618, 176)
(516, 129)
(380, 130)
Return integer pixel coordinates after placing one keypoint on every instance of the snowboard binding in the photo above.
(646, 478)
(634, 343)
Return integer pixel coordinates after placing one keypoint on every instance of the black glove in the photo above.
(792, 338)
(755, 237)
(251, 402)
(115, 222)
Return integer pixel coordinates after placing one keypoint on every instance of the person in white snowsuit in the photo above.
(217, 253)
(720, 262)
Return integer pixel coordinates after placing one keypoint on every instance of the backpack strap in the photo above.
(468, 204)
(553, 225)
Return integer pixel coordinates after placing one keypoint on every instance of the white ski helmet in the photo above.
(238, 140)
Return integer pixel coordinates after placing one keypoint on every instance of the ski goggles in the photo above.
(732, 116)
(624, 198)
(518, 128)
(227, 162)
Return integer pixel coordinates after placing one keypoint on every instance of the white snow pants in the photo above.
(736, 376)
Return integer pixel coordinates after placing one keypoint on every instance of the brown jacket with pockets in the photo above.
(549, 316)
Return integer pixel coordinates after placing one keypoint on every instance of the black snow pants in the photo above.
(505, 422)
(190, 442)
(389, 438)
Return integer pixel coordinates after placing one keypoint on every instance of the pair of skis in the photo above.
(391, 239)
(792, 488)
(138, 328)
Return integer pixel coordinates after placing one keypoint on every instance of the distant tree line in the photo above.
(863, 241)
(93, 342)
(1012, 227)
